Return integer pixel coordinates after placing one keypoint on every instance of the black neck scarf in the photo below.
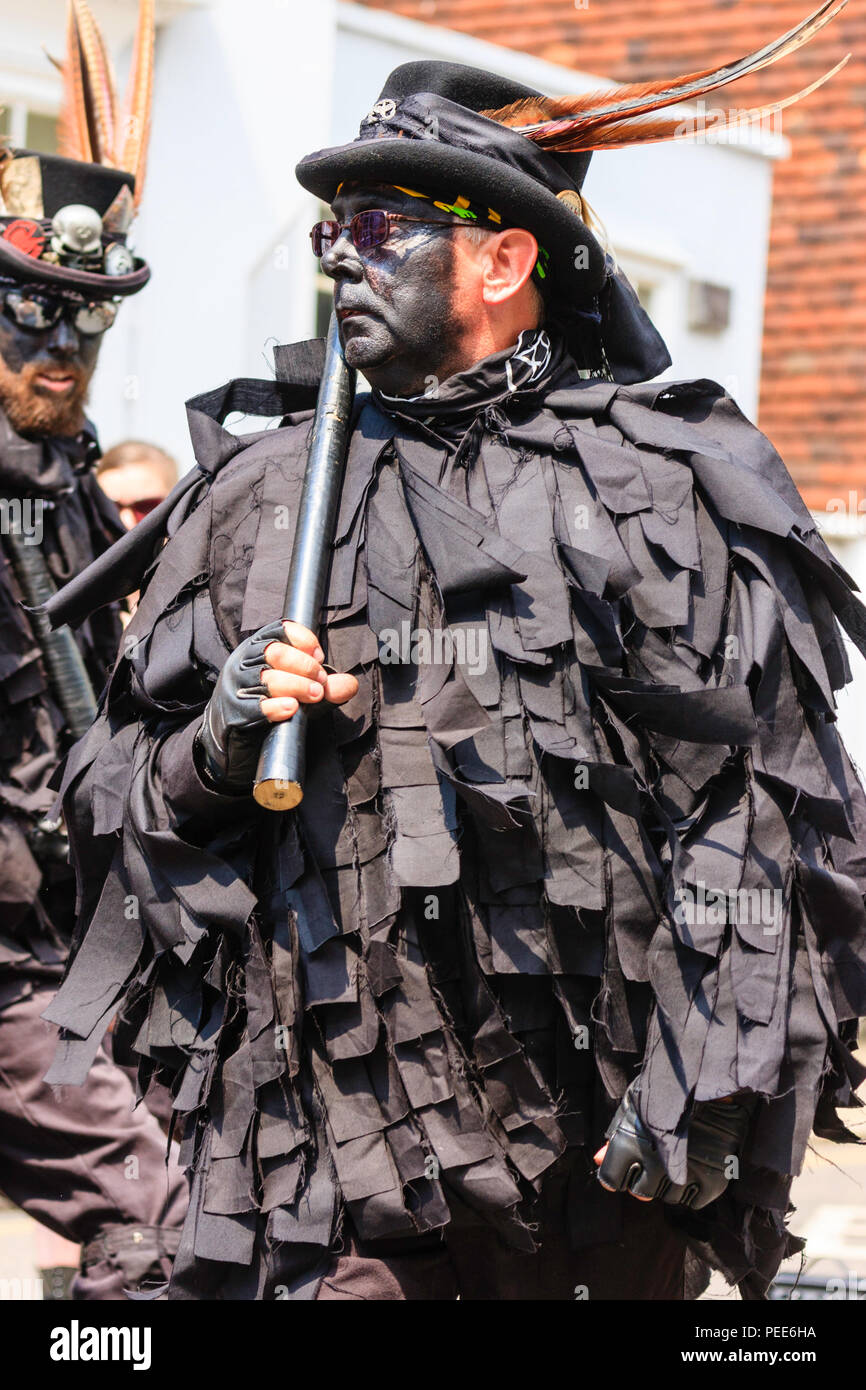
(524, 372)
(58, 473)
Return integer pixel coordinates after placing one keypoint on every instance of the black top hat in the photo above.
(63, 225)
(425, 130)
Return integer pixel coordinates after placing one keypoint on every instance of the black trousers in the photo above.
(642, 1256)
(81, 1161)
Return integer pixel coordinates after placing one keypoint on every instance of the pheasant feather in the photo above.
(645, 131)
(604, 118)
(90, 127)
(73, 129)
(135, 120)
(98, 84)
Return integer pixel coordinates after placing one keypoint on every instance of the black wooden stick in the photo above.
(280, 775)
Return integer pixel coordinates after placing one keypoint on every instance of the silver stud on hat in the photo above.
(118, 260)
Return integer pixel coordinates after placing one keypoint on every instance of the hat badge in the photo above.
(382, 111)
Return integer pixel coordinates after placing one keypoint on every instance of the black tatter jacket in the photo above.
(51, 480)
(487, 916)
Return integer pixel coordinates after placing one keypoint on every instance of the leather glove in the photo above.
(49, 841)
(717, 1132)
(227, 746)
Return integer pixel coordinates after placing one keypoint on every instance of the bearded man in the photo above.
(575, 669)
(82, 1163)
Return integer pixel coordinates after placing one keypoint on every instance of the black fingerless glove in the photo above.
(717, 1132)
(227, 746)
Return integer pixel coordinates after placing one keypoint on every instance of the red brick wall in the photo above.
(813, 390)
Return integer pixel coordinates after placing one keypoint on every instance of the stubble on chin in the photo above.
(401, 368)
(373, 353)
(362, 352)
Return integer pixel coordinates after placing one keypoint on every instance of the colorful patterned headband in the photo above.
(470, 212)
(476, 212)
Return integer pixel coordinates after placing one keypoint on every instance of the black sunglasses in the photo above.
(39, 312)
(368, 229)
(143, 507)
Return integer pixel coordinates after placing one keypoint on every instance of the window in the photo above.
(324, 304)
(28, 130)
(645, 291)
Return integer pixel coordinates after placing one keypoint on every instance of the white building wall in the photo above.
(223, 225)
(241, 88)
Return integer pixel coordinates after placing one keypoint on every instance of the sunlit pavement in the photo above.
(26, 1249)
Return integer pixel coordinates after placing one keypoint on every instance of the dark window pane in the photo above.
(324, 305)
(644, 291)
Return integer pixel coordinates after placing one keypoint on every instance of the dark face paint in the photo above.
(395, 304)
(31, 360)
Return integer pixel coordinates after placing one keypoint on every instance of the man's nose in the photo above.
(63, 340)
(341, 261)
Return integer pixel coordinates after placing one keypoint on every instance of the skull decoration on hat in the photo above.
(64, 218)
(65, 265)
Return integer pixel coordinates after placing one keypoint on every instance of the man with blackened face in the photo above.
(49, 346)
(532, 994)
(436, 294)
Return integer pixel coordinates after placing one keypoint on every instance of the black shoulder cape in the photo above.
(630, 840)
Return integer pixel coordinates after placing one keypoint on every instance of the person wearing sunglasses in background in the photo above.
(79, 1161)
(575, 667)
(137, 476)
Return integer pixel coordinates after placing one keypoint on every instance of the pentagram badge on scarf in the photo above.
(529, 361)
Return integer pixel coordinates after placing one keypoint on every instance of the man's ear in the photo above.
(509, 260)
